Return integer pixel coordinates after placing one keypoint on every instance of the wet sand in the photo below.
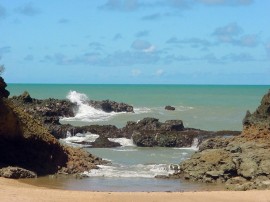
(12, 190)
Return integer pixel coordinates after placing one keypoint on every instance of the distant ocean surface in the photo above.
(209, 107)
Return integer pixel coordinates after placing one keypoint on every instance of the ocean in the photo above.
(208, 107)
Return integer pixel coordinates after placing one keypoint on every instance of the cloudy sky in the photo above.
(136, 41)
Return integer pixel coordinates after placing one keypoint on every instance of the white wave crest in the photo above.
(79, 137)
(123, 141)
(131, 171)
(86, 112)
(142, 110)
(195, 144)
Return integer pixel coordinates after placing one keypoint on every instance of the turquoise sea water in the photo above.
(133, 168)
(210, 107)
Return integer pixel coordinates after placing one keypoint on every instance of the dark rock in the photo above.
(170, 108)
(25, 97)
(111, 106)
(144, 139)
(149, 132)
(3, 92)
(16, 173)
(173, 125)
(25, 143)
(103, 142)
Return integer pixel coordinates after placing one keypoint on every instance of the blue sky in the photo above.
(136, 42)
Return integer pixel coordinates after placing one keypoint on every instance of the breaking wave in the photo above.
(130, 171)
(86, 112)
(79, 138)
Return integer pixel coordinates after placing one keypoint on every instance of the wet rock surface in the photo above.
(25, 143)
(170, 108)
(16, 173)
(241, 162)
(111, 106)
(149, 132)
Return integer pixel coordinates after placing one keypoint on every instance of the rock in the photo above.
(3, 92)
(26, 97)
(170, 108)
(144, 139)
(25, 143)
(149, 132)
(16, 173)
(242, 162)
(265, 166)
(214, 143)
(103, 142)
(172, 125)
(111, 106)
(248, 168)
(257, 124)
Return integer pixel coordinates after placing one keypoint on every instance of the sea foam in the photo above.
(78, 138)
(130, 171)
(123, 141)
(86, 112)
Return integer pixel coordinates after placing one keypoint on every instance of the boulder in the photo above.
(170, 108)
(103, 142)
(16, 173)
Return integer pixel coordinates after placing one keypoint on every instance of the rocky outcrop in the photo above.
(257, 125)
(50, 110)
(241, 162)
(25, 143)
(111, 106)
(3, 92)
(16, 173)
(149, 132)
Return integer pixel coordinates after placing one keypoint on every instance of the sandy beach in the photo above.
(12, 190)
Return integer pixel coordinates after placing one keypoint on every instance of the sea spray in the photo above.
(195, 144)
(130, 171)
(79, 138)
(123, 141)
(85, 112)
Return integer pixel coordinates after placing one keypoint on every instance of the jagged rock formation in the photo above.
(241, 162)
(3, 92)
(257, 125)
(111, 106)
(149, 132)
(25, 143)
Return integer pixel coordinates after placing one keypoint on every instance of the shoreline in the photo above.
(13, 190)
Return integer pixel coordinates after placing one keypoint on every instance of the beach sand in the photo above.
(12, 190)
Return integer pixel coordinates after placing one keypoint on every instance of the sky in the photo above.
(135, 41)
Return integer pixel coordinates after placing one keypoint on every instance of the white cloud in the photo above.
(136, 72)
(159, 72)
(150, 49)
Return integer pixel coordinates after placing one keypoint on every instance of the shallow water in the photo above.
(121, 184)
(133, 168)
